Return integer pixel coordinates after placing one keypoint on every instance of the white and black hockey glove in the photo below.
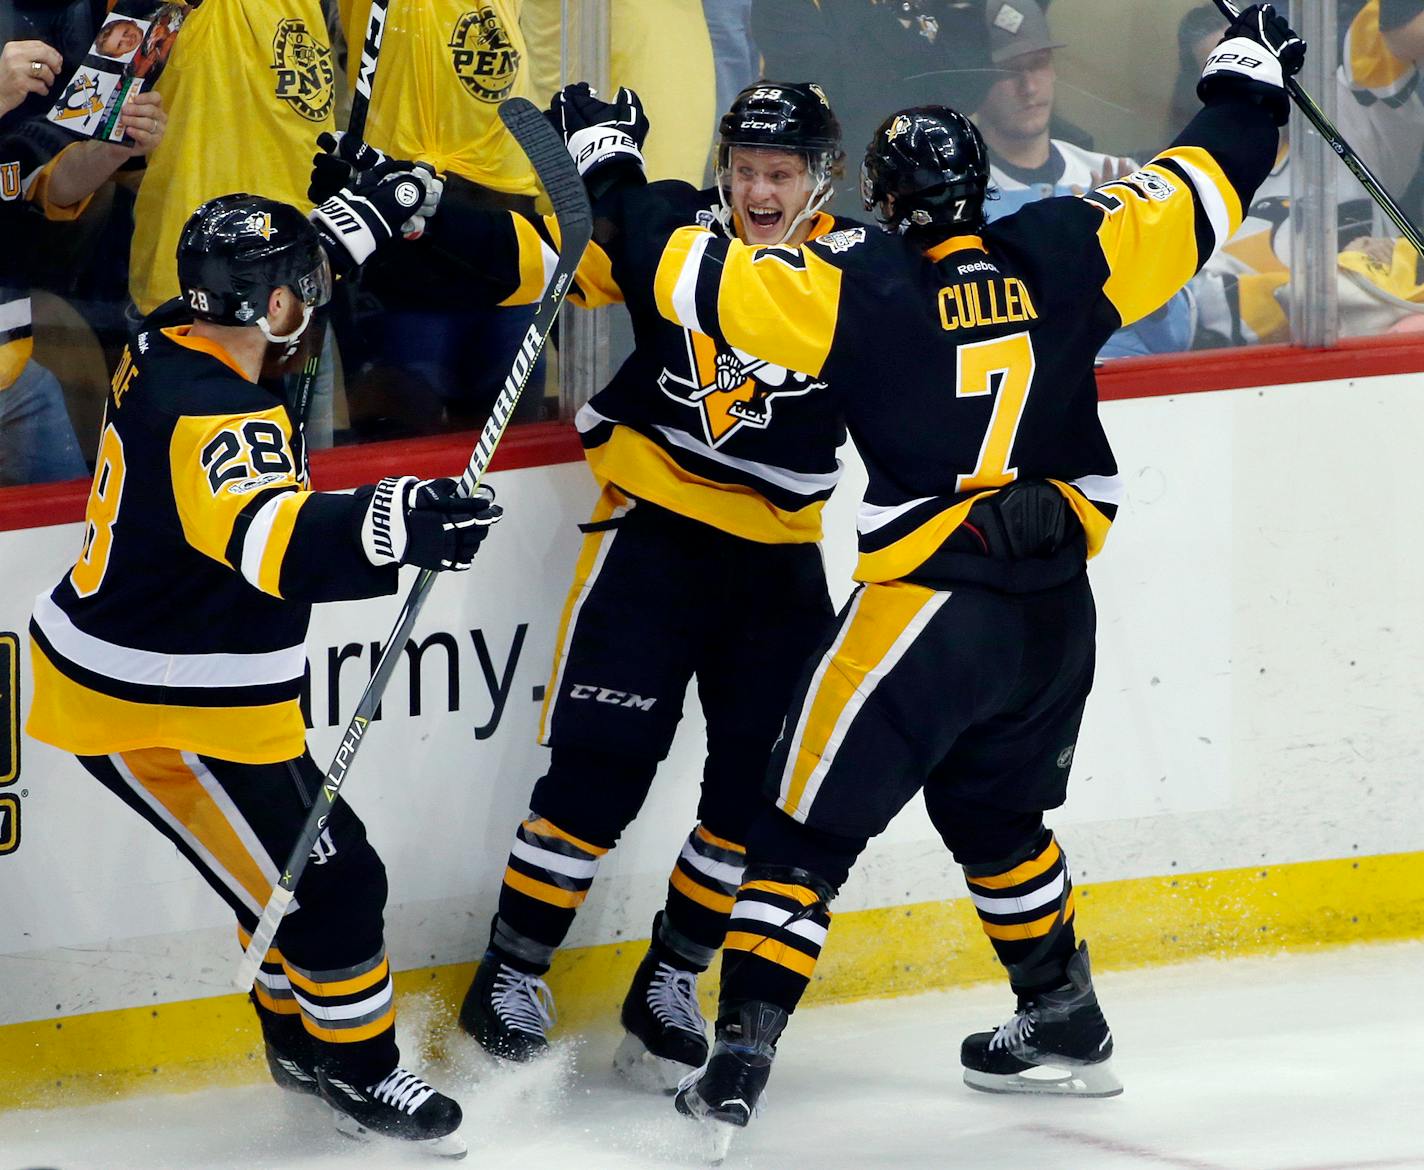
(389, 198)
(1259, 51)
(604, 138)
(426, 522)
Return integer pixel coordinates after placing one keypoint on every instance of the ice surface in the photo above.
(1289, 1062)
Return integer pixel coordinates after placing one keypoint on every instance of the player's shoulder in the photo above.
(182, 376)
(851, 243)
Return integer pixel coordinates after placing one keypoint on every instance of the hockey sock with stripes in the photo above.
(773, 940)
(701, 891)
(351, 1016)
(1026, 904)
(545, 882)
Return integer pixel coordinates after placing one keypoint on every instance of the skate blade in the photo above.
(452, 1145)
(643, 1070)
(1064, 1080)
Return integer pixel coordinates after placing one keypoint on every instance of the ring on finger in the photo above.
(36, 67)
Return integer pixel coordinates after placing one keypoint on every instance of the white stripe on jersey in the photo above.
(802, 484)
(259, 532)
(684, 293)
(150, 668)
(1212, 203)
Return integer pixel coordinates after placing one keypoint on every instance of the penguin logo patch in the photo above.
(259, 223)
(731, 389)
(306, 77)
(484, 56)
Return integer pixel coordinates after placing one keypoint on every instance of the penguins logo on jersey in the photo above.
(306, 78)
(10, 185)
(486, 61)
(730, 389)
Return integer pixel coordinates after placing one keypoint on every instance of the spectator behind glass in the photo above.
(738, 59)
(251, 84)
(871, 58)
(54, 176)
(429, 354)
(1197, 33)
(1027, 163)
(1243, 292)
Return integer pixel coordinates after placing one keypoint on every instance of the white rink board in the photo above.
(1257, 700)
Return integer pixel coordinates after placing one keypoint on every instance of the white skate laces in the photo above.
(1013, 1034)
(672, 996)
(523, 1002)
(403, 1090)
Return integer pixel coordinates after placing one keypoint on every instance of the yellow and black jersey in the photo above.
(183, 621)
(445, 68)
(24, 188)
(693, 425)
(250, 85)
(969, 367)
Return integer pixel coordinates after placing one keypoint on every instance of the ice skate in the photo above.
(508, 1011)
(400, 1106)
(728, 1088)
(1057, 1042)
(666, 1034)
(291, 1073)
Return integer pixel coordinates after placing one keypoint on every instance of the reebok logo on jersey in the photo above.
(484, 56)
(611, 697)
(977, 266)
(306, 78)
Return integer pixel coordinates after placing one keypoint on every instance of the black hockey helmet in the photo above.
(235, 249)
(783, 115)
(926, 167)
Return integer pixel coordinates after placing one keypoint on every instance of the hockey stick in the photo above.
(366, 72)
(560, 178)
(1356, 165)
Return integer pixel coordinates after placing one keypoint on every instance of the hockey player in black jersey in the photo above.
(170, 659)
(701, 560)
(963, 356)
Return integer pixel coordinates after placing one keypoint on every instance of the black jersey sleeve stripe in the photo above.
(1207, 241)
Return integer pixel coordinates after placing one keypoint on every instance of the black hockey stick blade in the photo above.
(1353, 162)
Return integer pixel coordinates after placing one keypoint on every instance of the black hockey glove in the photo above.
(337, 162)
(605, 138)
(1259, 51)
(389, 198)
(426, 522)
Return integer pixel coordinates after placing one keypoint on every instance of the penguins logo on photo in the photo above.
(306, 77)
(81, 97)
(731, 389)
(484, 56)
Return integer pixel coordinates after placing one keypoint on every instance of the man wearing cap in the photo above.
(1027, 163)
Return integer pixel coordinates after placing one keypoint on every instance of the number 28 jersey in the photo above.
(183, 622)
(969, 367)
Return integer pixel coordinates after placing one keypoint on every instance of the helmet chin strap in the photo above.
(290, 340)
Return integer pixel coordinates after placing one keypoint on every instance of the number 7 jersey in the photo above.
(969, 367)
(183, 622)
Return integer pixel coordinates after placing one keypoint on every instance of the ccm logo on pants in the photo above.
(604, 695)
